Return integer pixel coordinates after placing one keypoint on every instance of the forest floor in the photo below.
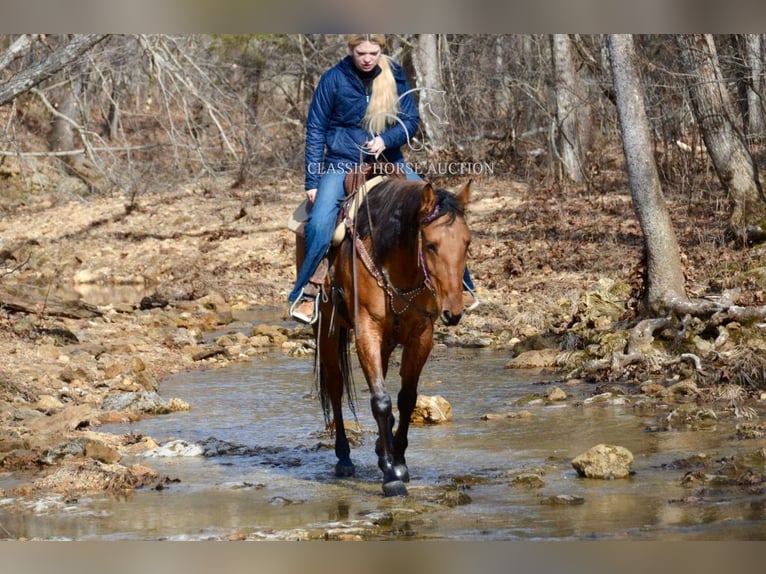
(161, 270)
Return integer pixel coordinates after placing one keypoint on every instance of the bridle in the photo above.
(399, 301)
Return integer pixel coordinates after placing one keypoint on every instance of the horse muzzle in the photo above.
(450, 319)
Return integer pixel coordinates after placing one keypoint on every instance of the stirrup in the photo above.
(302, 315)
(470, 300)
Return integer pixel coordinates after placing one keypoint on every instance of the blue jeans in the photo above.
(321, 224)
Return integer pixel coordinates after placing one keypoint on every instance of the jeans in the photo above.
(323, 218)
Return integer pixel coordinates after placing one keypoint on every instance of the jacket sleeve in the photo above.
(402, 131)
(317, 124)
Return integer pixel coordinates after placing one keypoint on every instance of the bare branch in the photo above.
(30, 77)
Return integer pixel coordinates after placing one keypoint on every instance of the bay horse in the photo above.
(399, 268)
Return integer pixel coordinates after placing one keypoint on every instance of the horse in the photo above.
(398, 269)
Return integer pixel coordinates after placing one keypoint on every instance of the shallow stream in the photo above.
(464, 473)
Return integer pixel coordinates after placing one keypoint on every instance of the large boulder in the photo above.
(431, 410)
(604, 461)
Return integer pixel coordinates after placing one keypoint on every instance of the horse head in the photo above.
(444, 240)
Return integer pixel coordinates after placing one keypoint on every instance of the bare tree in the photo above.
(664, 273)
(33, 75)
(714, 114)
(573, 116)
(431, 93)
(19, 46)
(756, 124)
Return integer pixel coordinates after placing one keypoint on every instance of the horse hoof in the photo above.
(394, 488)
(344, 470)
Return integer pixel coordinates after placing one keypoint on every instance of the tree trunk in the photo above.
(502, 93)
(713, 112)
(20, 46)
(572, 109)
(61, 136)
(29, 77)
(432, 102)
(756, 125)
(664, 273)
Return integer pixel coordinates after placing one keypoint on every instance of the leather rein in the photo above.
(399, 301)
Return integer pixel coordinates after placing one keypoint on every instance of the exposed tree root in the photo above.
(686, 320)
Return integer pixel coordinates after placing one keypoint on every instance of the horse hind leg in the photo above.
(331, 379)
(344, 467)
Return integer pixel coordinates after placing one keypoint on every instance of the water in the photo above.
(284, 487)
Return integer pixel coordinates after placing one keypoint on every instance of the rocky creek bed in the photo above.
(102, 298)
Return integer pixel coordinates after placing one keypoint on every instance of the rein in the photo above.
(399, 301)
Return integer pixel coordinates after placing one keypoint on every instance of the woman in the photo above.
(362, 110)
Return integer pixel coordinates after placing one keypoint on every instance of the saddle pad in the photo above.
(297, 219)
(353, 203)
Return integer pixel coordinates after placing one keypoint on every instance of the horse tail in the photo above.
(344, 363)
(344, 354)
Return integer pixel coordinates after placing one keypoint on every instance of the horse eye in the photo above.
(431, 247)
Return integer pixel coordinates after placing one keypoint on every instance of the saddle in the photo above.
(356, 184)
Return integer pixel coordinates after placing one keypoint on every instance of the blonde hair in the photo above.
(383, 106)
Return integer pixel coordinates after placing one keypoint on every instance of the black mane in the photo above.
(393, 208)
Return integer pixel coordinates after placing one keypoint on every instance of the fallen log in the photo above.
(32, 300)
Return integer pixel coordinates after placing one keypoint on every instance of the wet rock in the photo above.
(563, 500)
(232, 339)
(209, 352)
(274, 333)
(58, 452)
(175, 448)
(536, 359)
(90, 476)
(215, 302)
(689, 416)
(101, 451)
(556, 394)
(607, 399)
(682, 389)
(259, 341)
(178, 405)
(751, 430)
(431, 410)
(454, 497)
(143, 401)
(528, 481)
(604, 461)
(528, 400)
(241, 486)
(509, 415)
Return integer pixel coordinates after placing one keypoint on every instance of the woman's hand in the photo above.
(311, 194)
(375, 146)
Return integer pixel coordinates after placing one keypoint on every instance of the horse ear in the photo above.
(464, 195)
(427, 201)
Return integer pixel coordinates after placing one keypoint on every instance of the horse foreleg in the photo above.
(373, 356)
(414, 358)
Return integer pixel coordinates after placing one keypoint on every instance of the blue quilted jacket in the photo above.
(334, 129)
